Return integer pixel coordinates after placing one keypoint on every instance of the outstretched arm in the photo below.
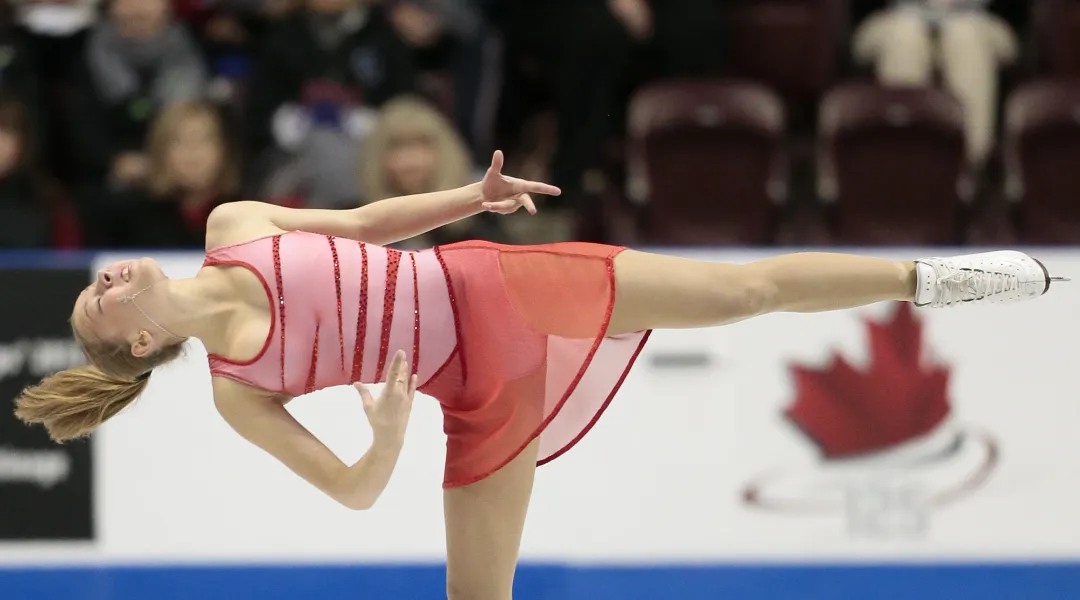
(383, 222)
(395, 219)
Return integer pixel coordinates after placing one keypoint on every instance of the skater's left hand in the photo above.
(504, 195)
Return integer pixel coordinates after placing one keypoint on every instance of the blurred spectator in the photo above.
(459, 52)
(192, 169)
(910, 39)
(414, 149)
(19, 65)
(227, 31)
(33, 211)
(322, 74)
(588, 51)
(138, 61)
(56, 31)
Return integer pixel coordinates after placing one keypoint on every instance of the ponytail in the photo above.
(74, 402)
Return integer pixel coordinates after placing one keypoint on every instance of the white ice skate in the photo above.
(997, 277)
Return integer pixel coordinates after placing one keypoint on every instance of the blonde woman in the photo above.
(191, 171)
(190, 157)
(414, 149)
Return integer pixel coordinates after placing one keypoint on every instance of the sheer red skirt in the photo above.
(532, 358)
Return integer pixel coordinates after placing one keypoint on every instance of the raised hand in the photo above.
(389, 413)
(504, 195)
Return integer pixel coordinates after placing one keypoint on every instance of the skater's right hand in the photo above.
(389, 413)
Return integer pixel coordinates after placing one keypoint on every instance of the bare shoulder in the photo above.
(238, 222)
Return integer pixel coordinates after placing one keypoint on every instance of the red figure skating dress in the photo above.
(509, 339)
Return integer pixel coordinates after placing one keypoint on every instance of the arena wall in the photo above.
(877, 453)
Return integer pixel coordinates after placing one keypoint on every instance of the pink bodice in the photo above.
(339, 310)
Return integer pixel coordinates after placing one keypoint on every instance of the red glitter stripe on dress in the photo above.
(454, 309)
(281, 303)
(337, 288)
(393, 261)
(416, 317)
(361, 316)
(310, 386)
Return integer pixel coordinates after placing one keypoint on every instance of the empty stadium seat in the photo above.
(706, 159)
(792, 46)
(1056, 29)
(1042, 156)
(892, 164)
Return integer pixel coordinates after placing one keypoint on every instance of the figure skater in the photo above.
(523, 346)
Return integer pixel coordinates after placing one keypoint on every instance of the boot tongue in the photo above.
(926, 278)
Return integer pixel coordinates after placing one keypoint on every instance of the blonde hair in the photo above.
(74, 402)
(409, 116)
(161, 135)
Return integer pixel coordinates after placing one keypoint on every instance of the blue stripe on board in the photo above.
(551, 582)
(35, 259)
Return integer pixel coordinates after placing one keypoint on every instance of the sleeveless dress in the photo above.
(509, 339)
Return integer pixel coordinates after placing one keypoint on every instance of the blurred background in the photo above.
(865, 454)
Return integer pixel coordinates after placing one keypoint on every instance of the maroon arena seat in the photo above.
(892, 163)
(1056, 29)
(792, 46)
(706, 159)
(1042, 157)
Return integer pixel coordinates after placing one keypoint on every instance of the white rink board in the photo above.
(662, 476)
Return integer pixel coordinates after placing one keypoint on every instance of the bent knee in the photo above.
(755, 294)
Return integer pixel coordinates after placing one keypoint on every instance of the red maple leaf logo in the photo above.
(847, 412)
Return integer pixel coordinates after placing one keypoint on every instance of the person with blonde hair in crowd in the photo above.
(911, 40)
(415, 149)
(411, 150)
(192, 169)
(137, 61)
(190, 154)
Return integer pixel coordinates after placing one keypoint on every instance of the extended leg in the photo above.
(484, 522)
(664, 292)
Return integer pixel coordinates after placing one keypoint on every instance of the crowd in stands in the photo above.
(123, 123)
